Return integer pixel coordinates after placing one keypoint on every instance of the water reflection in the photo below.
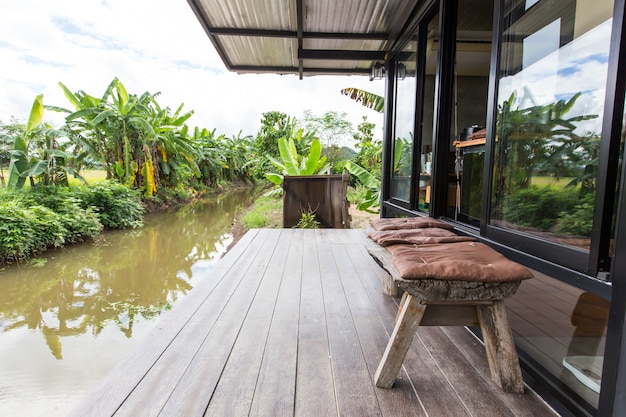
(86, 302)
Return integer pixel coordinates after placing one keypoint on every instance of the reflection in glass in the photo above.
(427, 117)
(550, 102)
(471, 85)
(404, 122)
(564, 329)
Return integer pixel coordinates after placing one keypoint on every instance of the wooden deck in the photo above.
(293, 323)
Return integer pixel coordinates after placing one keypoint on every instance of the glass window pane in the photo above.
(471, 87)
(404, 123)
(426, 134)
(551, 93)
(564, 330)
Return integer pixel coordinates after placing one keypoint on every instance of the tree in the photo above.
(536, 138)
(7, 133)
(329, 128)
(138, 142)
(39, 152)
(370, 150)
(274, 125)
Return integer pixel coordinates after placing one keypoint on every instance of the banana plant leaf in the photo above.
(288, 154)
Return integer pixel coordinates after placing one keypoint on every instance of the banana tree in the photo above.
(38, 153)
(294, 164)
(367, 99)
(372, 183)
(19, 165)
(138, 142)
(6, 144)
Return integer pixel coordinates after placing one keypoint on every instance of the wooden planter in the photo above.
(323, 195)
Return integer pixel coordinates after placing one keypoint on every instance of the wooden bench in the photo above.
(435, 302)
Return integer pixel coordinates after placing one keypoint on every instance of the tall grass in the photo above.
(266, 212)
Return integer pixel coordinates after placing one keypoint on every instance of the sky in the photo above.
(151, 46)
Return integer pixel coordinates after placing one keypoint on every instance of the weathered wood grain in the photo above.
(275, 388)
(400, 341)
(355, 393)
(293, 322)
(315, 388)
(111, 392)
(419, 367)
(402, 400)
(500, 347)
(208, 336)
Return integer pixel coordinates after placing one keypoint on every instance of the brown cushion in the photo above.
(463, 261)
(429, 235)
(409, 223)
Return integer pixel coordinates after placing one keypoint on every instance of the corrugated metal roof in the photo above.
(303, 37)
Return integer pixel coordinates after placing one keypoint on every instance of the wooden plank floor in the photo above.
(293, 322)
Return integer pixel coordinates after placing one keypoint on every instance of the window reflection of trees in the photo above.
(541, 141)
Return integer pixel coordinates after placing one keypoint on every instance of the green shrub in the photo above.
(579, 221)
(538, 207)
(307, 221)
(24, 231)
(356, 193)
(117, 205)
(80, 222)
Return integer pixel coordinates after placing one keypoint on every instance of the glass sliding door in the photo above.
(404, 124)
(551, 93)
(468, 130)
(429, 30)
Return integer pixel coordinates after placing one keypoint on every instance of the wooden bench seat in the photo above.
(449, 302)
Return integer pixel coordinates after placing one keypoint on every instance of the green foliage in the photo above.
(367, 99)
(540, 139)
(223, 159)
(20, 165)
(307, 221)
(79, 222)
(371, 197)
(6, 144)
(274, 125)
(25, 231)
(539, 207)
(131, 137)
(292, 163)
(329, 128)
(34, 220)
(370, 150)
(356, 193)
(138, 142)
(39, 152)
(117, 205)
(579, 221)
(267, 212)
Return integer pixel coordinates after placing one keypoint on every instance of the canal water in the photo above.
(67, 319)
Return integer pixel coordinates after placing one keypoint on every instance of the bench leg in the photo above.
(401, 305)
(500, 347)
(407, 323)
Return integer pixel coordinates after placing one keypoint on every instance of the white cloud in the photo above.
(155, 46)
